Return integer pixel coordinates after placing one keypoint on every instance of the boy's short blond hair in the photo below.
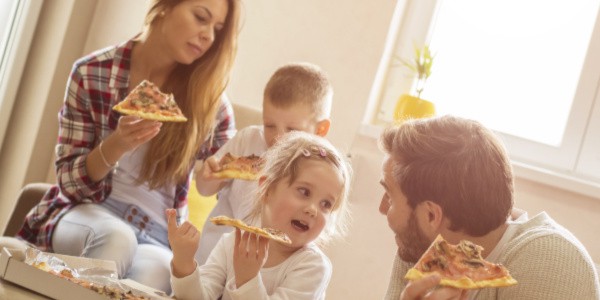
(300, 83)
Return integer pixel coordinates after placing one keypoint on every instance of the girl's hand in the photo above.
(427, 288)
(133, 131)
(184, 241)
(249, 255)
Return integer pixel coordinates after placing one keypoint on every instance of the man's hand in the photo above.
(427, 288)
(184, 241)
(249, 255)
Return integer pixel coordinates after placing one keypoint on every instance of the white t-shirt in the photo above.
(304, 275)
(236, 198)
(125, 188)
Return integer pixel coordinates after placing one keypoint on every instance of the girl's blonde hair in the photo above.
(197, 88)
(282, 162)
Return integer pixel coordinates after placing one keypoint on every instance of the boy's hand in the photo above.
(427, 288)
(184, 241)
(249, 255)
(206, 183)
(211, 165)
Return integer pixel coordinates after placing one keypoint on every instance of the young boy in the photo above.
(297, 97)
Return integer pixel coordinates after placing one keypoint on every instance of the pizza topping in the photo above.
(240, 167)
(148, 102)
(271, 233)
(460, 266)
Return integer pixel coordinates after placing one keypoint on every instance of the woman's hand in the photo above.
(427, 288)
(184, 241)
(249, 255)
(132, 132)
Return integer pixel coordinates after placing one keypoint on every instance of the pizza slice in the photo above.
(148, 102)
(460, 266)
(240, 167)
(269, 233)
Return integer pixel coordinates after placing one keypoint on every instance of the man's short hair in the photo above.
(458, 164)
(304, 83)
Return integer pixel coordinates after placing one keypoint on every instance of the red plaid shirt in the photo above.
(97, 82)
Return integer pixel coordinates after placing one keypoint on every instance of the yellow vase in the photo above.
(410, 107)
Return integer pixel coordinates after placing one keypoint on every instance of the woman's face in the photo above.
(189, 29)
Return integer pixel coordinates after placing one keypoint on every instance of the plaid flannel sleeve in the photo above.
(77, 137)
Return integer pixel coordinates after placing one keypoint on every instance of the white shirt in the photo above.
(126, 189)
(304, 275)
(236, 198)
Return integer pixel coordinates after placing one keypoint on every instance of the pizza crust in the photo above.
(464, 282)
(148, 116)
(269, 233)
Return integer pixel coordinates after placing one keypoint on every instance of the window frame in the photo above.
(19, 32)
(574, 166)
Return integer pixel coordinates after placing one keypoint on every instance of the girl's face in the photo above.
(189, 29)
(302, 208)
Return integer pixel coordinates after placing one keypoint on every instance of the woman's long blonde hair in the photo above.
(197, 88)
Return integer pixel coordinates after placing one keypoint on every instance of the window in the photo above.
(527, 69)
(17, 23)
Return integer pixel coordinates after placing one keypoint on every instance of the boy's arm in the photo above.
(206, 183)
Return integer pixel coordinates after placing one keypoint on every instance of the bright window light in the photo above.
(513, 64)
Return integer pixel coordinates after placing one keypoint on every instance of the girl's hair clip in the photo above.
(322, 152)
(305, 152)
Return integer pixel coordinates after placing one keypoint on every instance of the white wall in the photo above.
(345, 38)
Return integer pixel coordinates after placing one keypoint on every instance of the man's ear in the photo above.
(431, 216)
(323, 127)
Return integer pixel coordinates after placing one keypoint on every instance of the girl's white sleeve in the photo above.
(305, 277)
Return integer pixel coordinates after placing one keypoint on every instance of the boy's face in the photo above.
(279, 121)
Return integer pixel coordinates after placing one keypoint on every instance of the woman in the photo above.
(117, 174)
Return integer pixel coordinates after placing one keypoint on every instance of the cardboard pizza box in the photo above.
(15, 270)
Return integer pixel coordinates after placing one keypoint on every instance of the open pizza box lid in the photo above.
(14, 269)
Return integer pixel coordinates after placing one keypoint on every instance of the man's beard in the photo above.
(412, 242)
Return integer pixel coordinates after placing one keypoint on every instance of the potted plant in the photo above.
(412, 105)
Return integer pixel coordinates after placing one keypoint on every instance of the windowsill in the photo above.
(568, 182)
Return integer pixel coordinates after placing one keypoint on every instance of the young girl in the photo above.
(302, 192)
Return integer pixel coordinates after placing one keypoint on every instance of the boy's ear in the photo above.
(323, 127)
(261, 180)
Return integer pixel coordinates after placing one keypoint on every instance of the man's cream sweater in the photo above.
(544, 257)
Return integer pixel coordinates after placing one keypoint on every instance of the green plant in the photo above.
(420, 64)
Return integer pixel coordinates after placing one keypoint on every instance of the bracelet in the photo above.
(104, 158)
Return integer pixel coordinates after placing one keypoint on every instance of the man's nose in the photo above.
(384, 206)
